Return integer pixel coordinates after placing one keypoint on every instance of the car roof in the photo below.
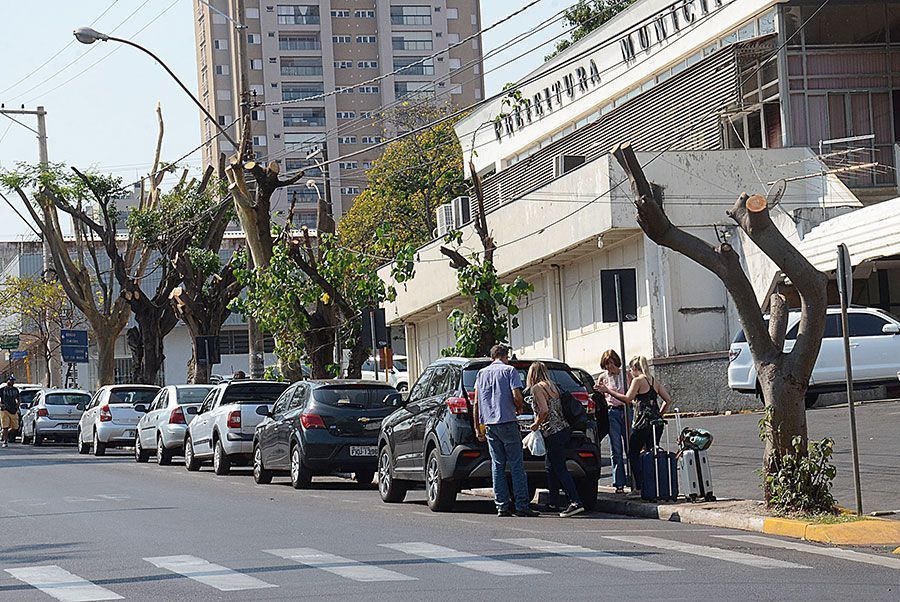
(247, 381)
(347, 381)
(131, 386)
(207, 387)
(482, 361)
(50, 391)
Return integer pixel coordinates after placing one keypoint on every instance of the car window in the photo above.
(298, 397)
(352, 396)
(559, 374)
(191, 395)
(865, 325)
(282, 401)
(27, 396)
(253, 392)
(132, 396)
(95, 400)
(445, 379)
(66, 399)
(399, 365)
(208, 402)
(368, 366)
(420, 389)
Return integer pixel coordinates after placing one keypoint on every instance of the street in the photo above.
(85, 528)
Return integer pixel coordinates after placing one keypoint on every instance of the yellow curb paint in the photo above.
(897, 551)
(785, 527)
(860, 533)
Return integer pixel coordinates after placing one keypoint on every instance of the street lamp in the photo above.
(86, 35)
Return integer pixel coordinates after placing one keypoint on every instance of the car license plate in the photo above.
(68, 426)
(363, 450)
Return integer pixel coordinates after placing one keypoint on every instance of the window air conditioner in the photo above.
(444, 219)
(462, 213)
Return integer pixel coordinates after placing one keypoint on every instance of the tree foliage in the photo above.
(585, 17)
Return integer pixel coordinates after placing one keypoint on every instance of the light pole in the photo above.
(86, 35)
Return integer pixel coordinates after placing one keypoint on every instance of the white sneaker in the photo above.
(5, 444)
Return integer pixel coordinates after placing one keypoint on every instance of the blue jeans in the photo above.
(505, 445)
(617, 445)
(557, 472)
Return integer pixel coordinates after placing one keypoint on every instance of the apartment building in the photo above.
(318, 58)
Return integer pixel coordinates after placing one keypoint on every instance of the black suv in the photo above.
(431, 439)
(321, 427)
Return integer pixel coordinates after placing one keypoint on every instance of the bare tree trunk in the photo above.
(359, 353)
(106, 348)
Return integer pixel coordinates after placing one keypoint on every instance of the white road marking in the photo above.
(463, 559)
(61, 584)
(852, 555)
(213, 575)
(343, 567)
(619, 561)
(760, 562)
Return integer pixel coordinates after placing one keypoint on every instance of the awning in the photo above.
(870, 233)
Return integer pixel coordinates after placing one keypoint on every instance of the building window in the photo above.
(402, 89)
(342, 14)
(224, 119)
(237, 342)
(256, 64)
(307, 218)
(365, 39)
(254, 38)
(346, 115)
(301, 90)
(258, 115)
(300, 66)
(346, 139)
(369, 89)
(304, 117)
(367, 65)
(372, 139)
(308, 166)
(455, 63)
(342, 39)
(345, 90)
(366, 114)
(413, 65)
(412, 40)
(343, 64)
(452, 13)
(302, 143)
(452, 38)
(299, 42)
(348, 164)
(292, 14)
(411, 15)
(350, 190)
(252, 13)
(218, 19)
(223, 94)
(222, 70)
(220, 44)
(365, 14)
(367, 165)
(259, 141)
(302, 194)
(256, 90)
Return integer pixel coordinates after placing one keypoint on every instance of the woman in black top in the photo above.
(643, 395)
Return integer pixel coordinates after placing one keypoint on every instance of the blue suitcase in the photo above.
(659, 474)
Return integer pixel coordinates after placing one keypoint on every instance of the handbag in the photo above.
(534, 443)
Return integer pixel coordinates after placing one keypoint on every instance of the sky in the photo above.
(101, 99)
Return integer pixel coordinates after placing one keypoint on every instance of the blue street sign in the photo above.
(74, 346)
(74, 338)
(17, 355)
(74, 355)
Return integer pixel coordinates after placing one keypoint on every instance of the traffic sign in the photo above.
(17, 355)
(844, 273)
(74, 346)
(609, 309)
(9, 341)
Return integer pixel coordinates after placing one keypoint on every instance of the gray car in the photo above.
(162, 428)
(53, 414)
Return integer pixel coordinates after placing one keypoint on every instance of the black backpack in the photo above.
(573, 410)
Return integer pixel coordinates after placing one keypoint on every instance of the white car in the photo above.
(110, 419)
(398, 376)
(223, 429)
(53, 414)
(161, 430)
(874, 351)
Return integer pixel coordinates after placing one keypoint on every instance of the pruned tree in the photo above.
(783, 377)
(586, 16)
(81, 266)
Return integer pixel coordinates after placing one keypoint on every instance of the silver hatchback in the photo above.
(162, 428)
(54, 414)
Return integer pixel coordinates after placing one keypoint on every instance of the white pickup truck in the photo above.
(226, 422)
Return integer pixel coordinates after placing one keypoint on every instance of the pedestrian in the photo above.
(498, 399)
(554, 427)
(643, 394)
(9, 409)
(614, 380)
(239, 375)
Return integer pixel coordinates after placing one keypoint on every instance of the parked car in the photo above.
(110, 418)
(161, 430)
(398, 377)
(874, 349)
(322, 427)
(53, 414)
(430, 439)
(27, 392)
(225, 425)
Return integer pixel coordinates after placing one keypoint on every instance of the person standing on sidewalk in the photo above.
(498, 399)
(9, 409)
(614, 380)
(549, 418)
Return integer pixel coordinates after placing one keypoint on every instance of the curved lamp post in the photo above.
(86, 35)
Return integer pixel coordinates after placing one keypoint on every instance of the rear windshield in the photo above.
(27, 397)
(560, 376)
(192, 395)
(400, 365)
(66, 399)
(253, 392)
(132, 396)
(353, 397)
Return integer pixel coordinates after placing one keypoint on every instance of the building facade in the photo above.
(303, 51)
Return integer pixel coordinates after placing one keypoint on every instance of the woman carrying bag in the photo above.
(550, 420)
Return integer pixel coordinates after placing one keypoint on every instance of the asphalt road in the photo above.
(85, 528)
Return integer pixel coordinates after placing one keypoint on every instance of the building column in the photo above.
(556, 309)
(412, 352)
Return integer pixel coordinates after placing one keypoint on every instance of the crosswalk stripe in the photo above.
(852, 555)
(618, 561)
(343, 567)
(213, 575)
(760, 562)
(463, 559)
(61, 584)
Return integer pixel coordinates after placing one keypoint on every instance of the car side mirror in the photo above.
(890, 329)
(80, 407)
(263, 411)
(394, 400)
(139, 407)
(193, 410)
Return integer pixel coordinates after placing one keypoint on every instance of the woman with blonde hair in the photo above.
(643, 394)
(552, 423)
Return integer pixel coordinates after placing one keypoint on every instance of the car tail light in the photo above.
(43, 413)
(585, 454)
(177, 416)
(585, 400)
(733, 354)
(234, 419)
(458, 405)
(312, 421)
(471, 454)
(105, 414)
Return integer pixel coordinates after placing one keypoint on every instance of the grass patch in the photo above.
(826, 518)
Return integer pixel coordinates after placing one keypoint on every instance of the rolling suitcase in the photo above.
(694, 478)
(659, 473)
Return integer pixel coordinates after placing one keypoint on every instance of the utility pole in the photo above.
(54, 368)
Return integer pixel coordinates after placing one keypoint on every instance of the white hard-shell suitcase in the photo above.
(694, 477)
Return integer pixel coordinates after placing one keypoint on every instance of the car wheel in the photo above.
(25, 439)
(364, 477)
(811, 399)
(36, 439)
(260, 474)
(140, 455)
(98, 447)
(163, 455)
(440, 492)
(83, 448)
(221, 465)
(301, 476)
(190, 460)
(392, 491)
(402, 387)
(587, 491)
